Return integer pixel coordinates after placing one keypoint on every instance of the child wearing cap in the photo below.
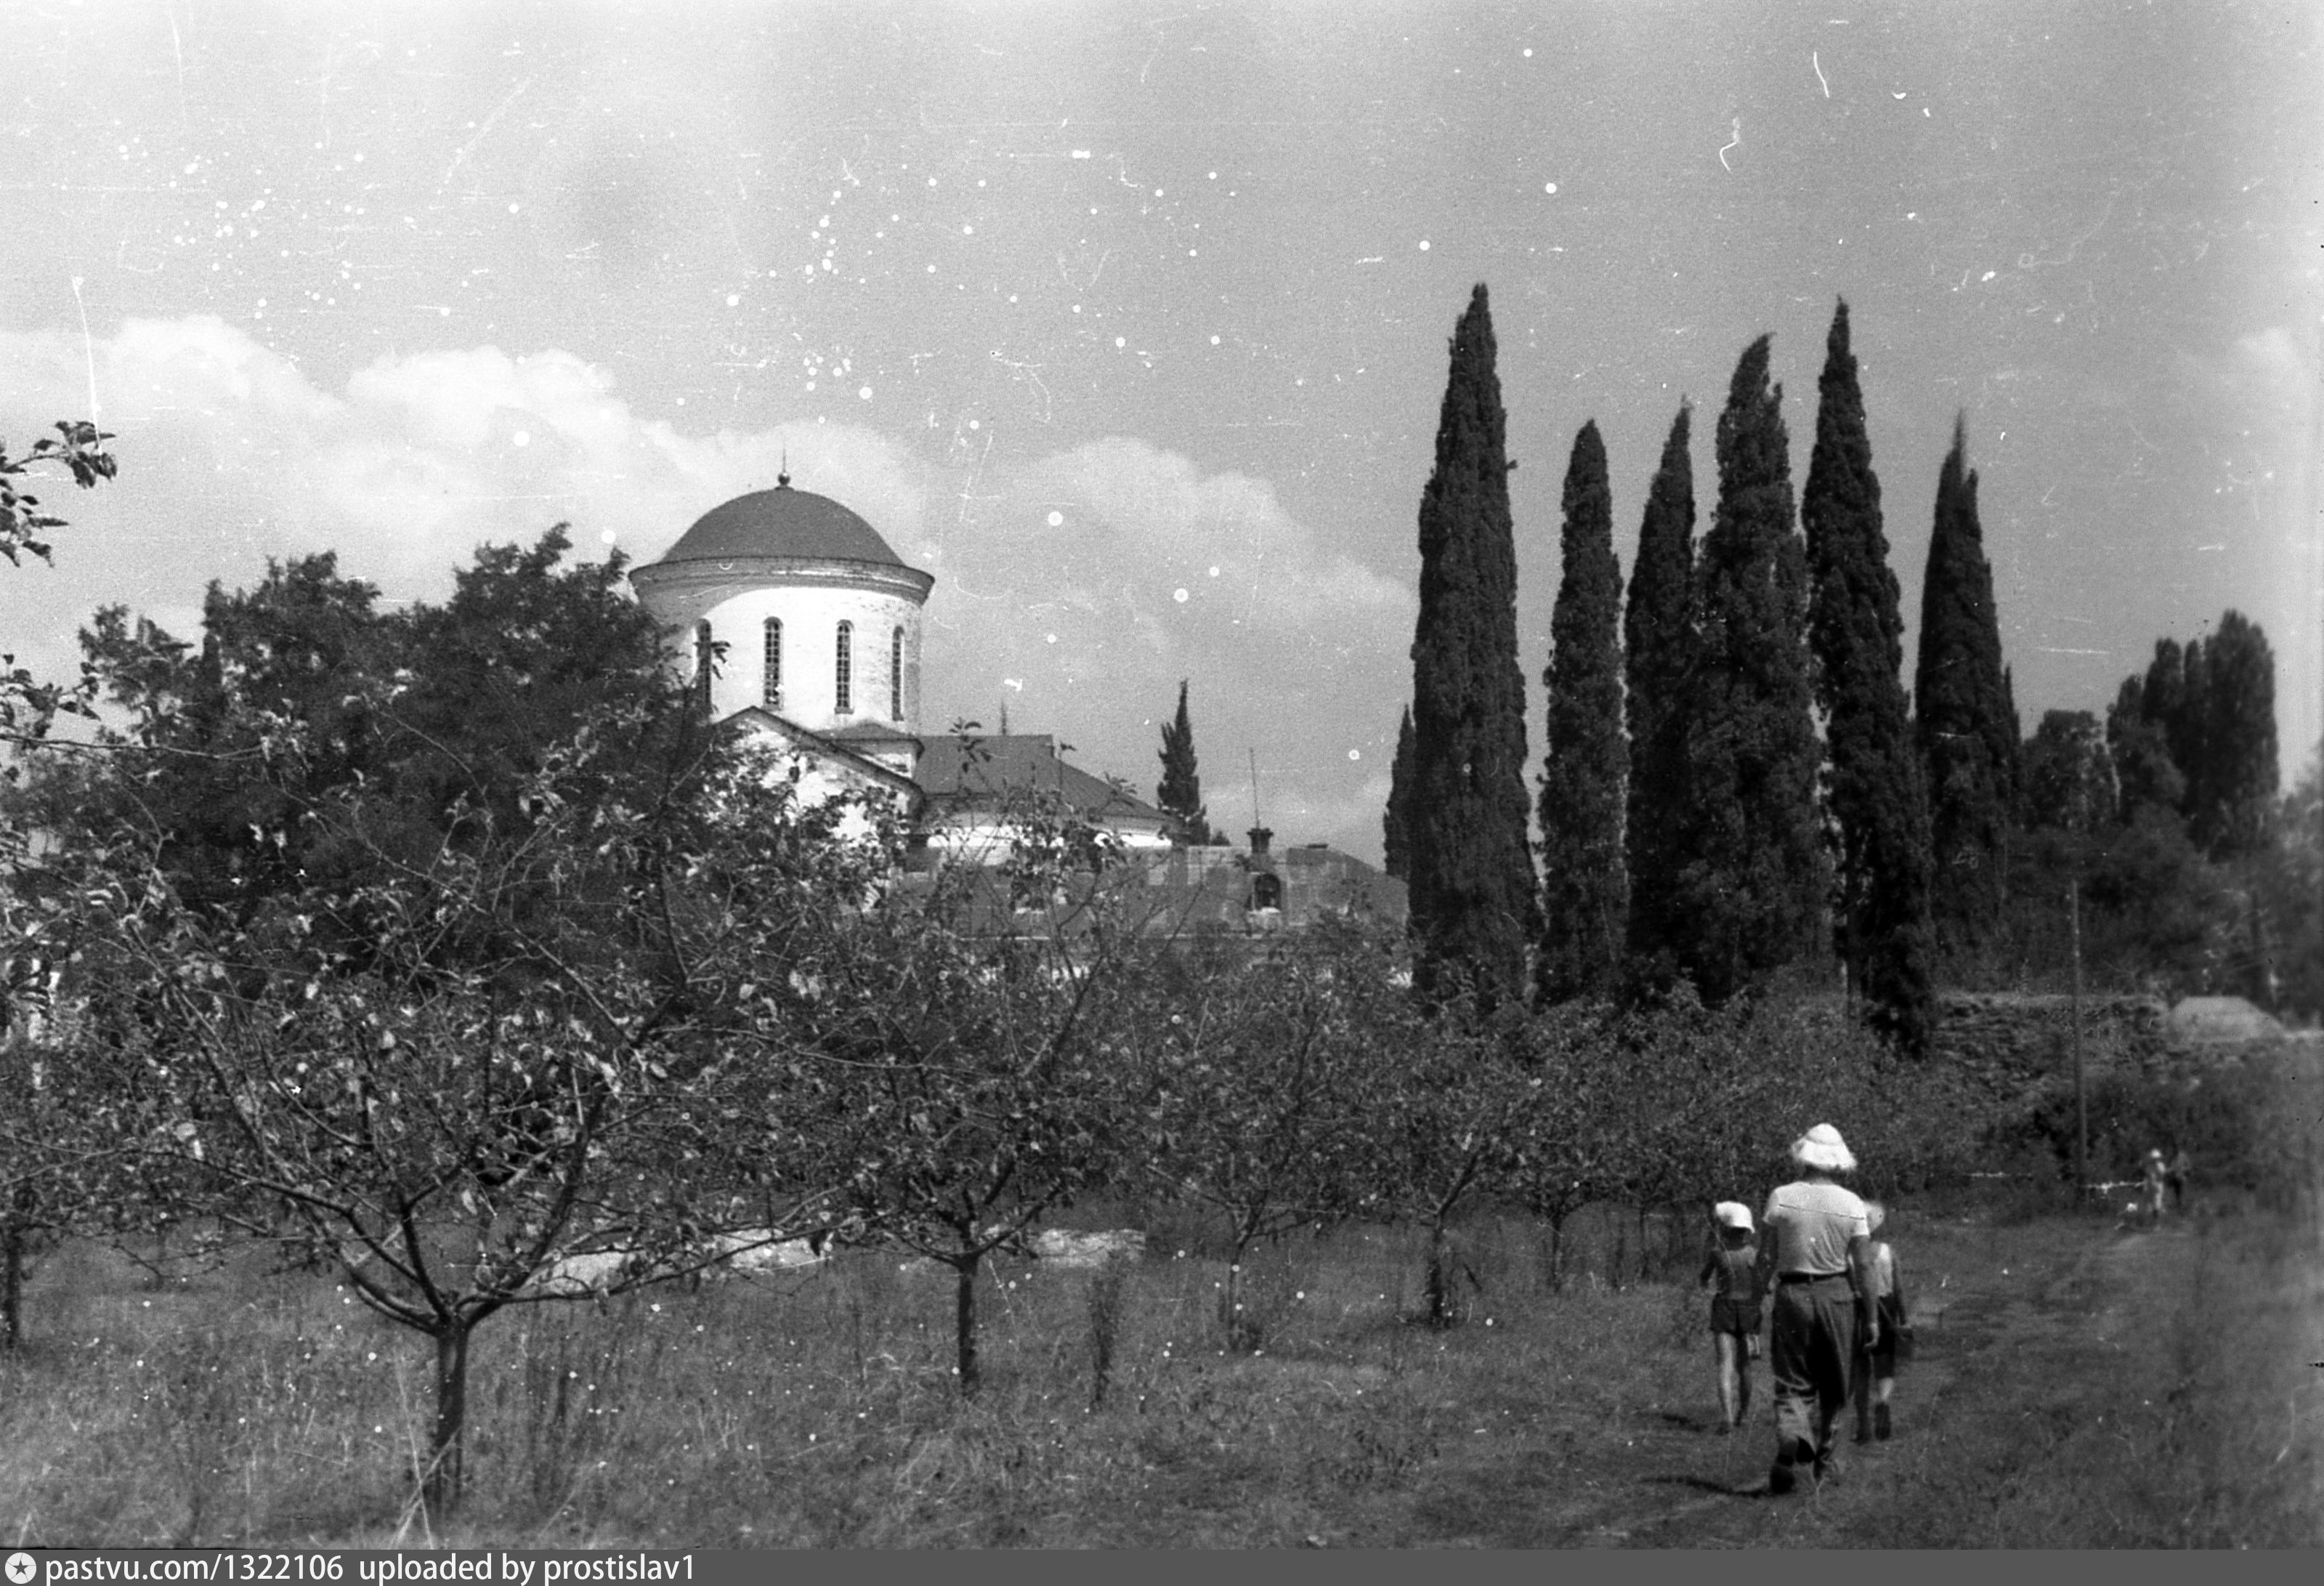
(1732, 1265)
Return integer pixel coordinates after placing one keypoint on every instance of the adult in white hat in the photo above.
(1817, 1237)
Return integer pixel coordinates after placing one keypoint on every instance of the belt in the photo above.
(1811, 1278)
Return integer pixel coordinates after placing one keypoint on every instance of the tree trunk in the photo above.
(1241, 1327)
(1437, 1286)
(11, 1285)
(441, 1485)
(964, 1321)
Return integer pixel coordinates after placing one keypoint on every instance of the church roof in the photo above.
(781, 522)
(988, 772)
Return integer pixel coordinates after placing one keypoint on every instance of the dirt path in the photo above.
(2068, 1389)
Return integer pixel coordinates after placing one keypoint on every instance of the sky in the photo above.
(1129, 322)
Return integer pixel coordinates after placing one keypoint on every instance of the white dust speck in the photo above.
(1214, 572)
(1549, 186)
(1528, 54)
(1214, 176)
(734, 299)
(1081, 153)
(976, 423)
(1355, 755)
(968, 230)
(607, 536)
(1179, 595)
(1214, 341)
(864, 392)
(1120, 342)
(1989, 275)
(522, 438)
(513, 208)
(1056, 520)
(1424, 244)
(1053, 638)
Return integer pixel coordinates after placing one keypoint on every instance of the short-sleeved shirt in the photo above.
(1812, 1224)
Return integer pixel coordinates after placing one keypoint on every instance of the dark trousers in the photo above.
(1810, 1356)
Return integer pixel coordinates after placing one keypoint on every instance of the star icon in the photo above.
(21, 1568)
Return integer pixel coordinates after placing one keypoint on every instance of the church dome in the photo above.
(785, 523)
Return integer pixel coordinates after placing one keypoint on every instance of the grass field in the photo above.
(2077, 1385)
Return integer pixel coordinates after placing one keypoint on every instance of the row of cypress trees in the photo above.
(1695, 821)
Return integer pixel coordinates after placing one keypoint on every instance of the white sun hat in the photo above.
(1732, 1214)
(1821, 1147)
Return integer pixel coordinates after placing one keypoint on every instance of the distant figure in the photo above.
(1875, 1366)
(1818, 1239)
(2155, 1180)
(1732, 1266)
(2175, 1178)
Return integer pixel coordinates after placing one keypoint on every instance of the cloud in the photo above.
(1079, 587)
(1082, 588)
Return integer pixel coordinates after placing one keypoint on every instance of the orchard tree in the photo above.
(1256, 1086)
(968, 1083)
(1659, 638)
(550, 1054)
(1879, 808)
(1475, 906)
(1586, 773)
(1750, 892)
(2232, 787)
(34, 1199)
(1964, 724)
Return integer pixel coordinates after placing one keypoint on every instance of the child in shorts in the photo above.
(1731, 1268)
(1876, 1369)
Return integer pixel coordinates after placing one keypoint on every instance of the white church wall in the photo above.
(810, 616)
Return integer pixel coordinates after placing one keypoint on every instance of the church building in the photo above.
(802, 626)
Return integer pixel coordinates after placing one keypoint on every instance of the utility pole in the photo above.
(2081, 1108)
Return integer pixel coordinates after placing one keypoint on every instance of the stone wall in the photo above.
(2012, 1045)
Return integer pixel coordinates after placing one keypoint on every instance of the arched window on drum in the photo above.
(770, 685)
(896, 677)
(843, 670)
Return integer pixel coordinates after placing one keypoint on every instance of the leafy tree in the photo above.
(1442, 1121)
(2145, 776)
(1180, 790)
(969, 1081)
(1258, 1084)
(1658, 634)
(2069, 774)
(1586, 773)
(1878, 805)
(1475, 905)
(32, 1202)
(2230, 709)
(1395, 825)
(2291, 893)
(1750, 892)
(1965, 725)
(601, 1077)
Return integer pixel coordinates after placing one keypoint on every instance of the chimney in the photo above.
(1260, 838)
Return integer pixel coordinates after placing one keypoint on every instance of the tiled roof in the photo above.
(985, 771)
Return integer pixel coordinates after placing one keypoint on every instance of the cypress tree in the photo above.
(1751, 890)
(1180, 793)
(1586, 772)
(1882, 926)
(1475, 907)
(1658, 636)
(1395, 825)
(1965, 723)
